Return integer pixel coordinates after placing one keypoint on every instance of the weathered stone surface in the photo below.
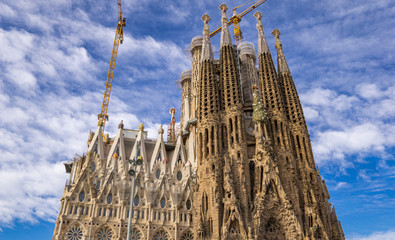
(242, 166)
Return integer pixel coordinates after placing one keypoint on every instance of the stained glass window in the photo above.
(163, 203)
(136, 200)
(179, 175)
(189, 204)
(157, 173)
(81, 196)
(109, 198)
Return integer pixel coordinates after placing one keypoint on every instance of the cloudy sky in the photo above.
(54, 58)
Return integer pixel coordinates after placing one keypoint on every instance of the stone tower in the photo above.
(241, 167)
(256, 176)
(209, 147)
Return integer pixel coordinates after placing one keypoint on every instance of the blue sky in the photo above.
(54, 58)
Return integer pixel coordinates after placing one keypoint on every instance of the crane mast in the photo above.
(103, 117)
(236, 18)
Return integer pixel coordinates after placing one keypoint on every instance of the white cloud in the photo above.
(388, 235)
(340, 185)
(50, 95)
(369, 91)
(344, 125)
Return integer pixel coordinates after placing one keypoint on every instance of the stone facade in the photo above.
(242, 166)
(96, 200)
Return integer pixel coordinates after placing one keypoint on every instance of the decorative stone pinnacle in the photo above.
(120, 125)
(206, 44)
(225, 34)
(223, 8)
(161, 131)
(100, 122)
(282, 63)
(276, 33)
(263, 47)
(258, 16)
(206, 18)
(141, 127)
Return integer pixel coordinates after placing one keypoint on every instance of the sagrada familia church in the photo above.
(240, 167)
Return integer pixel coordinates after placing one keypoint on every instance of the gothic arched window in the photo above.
(81, 197)
(93, 165)
(179, 175)
(75, 233)
(157, 173)
(136, 200)
(189, 204)
(163, 203)
(109, 198)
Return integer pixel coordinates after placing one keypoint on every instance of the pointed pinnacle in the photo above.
(223, 8)
(258, 16)
(263, 47)
(276, 33)
(206, 44)
(160, 130)
(206, 18)
(282, 63)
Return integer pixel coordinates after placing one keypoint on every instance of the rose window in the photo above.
(104, 234)
(161, 236)
(135, 234)
(74, 234)
(187, 236)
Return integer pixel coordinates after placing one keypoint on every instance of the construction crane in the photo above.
(103, 117)
(236, 18)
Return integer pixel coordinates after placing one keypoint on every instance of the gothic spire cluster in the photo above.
(262, 166)
(241, 167)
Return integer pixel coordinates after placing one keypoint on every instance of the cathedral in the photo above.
(241, 165)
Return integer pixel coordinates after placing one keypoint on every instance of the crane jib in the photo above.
(230, 22)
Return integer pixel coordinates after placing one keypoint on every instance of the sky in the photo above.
(54, 58)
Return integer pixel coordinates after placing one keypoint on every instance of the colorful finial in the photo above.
(141, 127)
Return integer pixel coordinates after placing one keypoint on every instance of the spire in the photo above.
(207, 52)
(262, 43)
(225, 34)
(282, 63)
